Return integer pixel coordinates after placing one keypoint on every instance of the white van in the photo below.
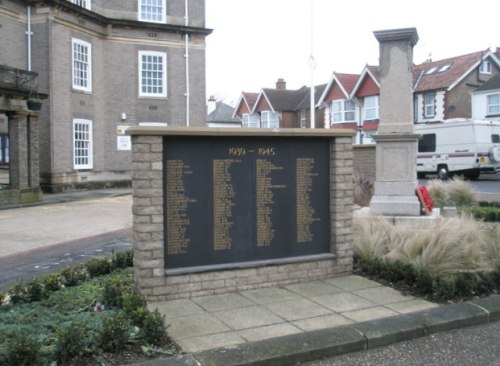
(458, 146)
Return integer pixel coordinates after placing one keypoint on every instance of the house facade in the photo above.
(486, 100)
(278, 107)
(442, 90)
(106, 65)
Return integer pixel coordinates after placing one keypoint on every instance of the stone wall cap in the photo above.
(402, 34)
(259, 132)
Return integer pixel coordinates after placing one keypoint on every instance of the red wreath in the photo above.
(425, 199)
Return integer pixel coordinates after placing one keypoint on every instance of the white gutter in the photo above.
(29, 34)
(186, 56)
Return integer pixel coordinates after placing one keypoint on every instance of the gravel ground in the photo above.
(474, 346)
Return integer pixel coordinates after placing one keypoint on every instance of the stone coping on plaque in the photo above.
(210, 131)
(251, 264)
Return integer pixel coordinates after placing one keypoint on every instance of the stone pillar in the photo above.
(147, 207)
(396, 149)
(341, 202)
(18, 151)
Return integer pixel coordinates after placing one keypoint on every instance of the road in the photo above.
(46, 238)
(474, 346)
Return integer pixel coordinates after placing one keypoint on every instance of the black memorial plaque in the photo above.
(231, 200)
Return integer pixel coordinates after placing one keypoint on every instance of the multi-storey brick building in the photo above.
(106, 65)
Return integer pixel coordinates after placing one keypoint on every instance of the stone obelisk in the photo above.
(396, 148)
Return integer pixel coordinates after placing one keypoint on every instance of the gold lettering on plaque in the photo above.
(177, 205)
(223, 192)
(305, 211)
(265, 201)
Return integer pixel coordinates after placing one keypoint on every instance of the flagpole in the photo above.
(312, 65)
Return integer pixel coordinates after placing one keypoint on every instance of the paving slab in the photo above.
(297, 309)
(177, 308)
(322, 322)
(269, 331)
(195, 325)
(411, 306)
(313, 288)
(223, 302)
(211, 341)
(352, 283)
(382, 295)
(343, 301)
(369, 314)
(248, 317)
(269, 295)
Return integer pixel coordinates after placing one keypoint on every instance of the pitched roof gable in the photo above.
(370, 77)
(345, 83)
(445, 74)
(492, 84)
(245, 103)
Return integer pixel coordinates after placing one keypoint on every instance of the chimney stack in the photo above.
(211, 105)
(281, 84)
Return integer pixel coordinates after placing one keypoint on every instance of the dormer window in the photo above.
(153, 11)
(485, 67)
(431, 70)
(444, 68)
(83, 3)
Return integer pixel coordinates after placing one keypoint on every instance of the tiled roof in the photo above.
(492, 84)
(305, 103)
(250, 98)
(444, 73)
(348, 81)
(285, 100)
(222, 113)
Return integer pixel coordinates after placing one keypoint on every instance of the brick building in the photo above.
(107, 65)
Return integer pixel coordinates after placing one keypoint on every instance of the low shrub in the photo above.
(73, 276)
(154, 330)
(74, 339)
(98, 267)
(122, 259)
(485, 213)
(114, 332)
(113, 292)
(23, 349)
(134, 305)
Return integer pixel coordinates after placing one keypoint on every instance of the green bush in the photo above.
(23, 349)
(134, 305)
(52, 282)
(114, 332)
(98, 267)
(154, 330)
(74, 339)
(73, 276)
(113, 291)
(122, 259)
(34, 290)
(485, 213)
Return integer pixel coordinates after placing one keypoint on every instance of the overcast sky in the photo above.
(255, 42)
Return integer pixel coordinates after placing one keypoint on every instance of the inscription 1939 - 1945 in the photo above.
(244, 199)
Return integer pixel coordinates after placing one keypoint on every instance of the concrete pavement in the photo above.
(270, 326)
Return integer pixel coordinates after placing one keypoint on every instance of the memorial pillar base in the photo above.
(396, 178)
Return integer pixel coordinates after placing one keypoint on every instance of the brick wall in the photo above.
(148, 226)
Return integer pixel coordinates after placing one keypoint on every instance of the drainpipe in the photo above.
(29, 34)
(186, 56)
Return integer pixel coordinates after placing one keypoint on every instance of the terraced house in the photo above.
(105, 65)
